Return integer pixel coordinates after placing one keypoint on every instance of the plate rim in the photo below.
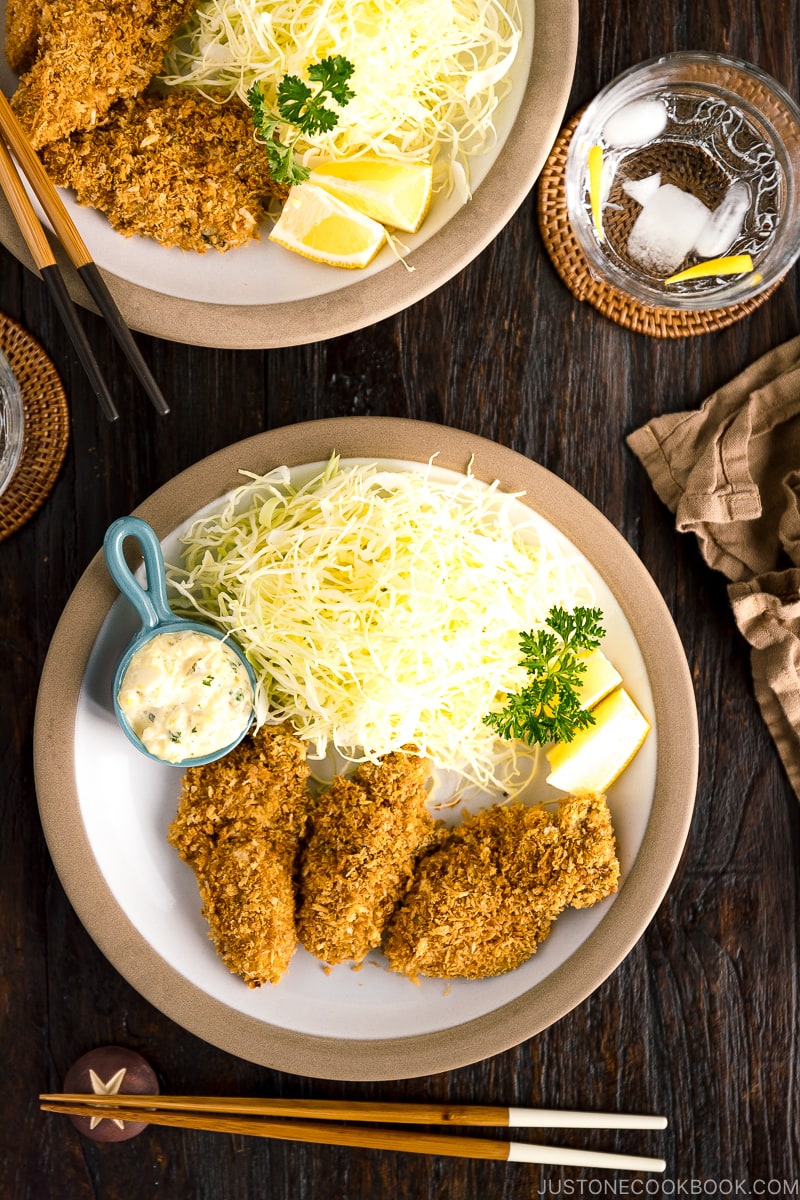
(540, 1006)
(364, 303)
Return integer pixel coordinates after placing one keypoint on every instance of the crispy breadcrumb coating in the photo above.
(22, 33)
(174, 167)
(91, 54)
(365, 836)
(482, 902)
(239, 825)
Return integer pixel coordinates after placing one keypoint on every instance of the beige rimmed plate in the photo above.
(105, 808)
(262, 296)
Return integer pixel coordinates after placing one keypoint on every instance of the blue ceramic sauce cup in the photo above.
(158, 619)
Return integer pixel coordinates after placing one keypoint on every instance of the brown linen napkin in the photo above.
(730, 471)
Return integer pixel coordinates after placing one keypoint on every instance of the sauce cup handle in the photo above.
(151, 602)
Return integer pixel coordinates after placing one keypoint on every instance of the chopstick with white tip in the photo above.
(369, 1110)
(335, 1134)
(45, 191)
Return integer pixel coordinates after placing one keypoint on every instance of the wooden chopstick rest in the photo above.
(109, 1073)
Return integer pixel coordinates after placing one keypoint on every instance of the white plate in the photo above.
(159, 893)
(127, 882)
(261, 295)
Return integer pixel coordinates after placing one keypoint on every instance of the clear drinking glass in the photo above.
(12, 423)
(700, 159)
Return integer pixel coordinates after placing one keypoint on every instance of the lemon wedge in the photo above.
(595, 163)
(396, 194)
(599, 678)
(597, 755)
(731, 264)
(319, 226)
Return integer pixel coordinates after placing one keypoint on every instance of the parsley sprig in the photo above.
(548, 709)
(302, 106)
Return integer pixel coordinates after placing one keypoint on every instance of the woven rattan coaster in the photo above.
(570, 262)
(46, 427)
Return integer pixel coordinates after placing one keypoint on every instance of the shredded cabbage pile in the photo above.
(381, 609)
(428, 74)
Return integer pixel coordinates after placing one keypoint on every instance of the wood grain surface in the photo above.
(700, 1022)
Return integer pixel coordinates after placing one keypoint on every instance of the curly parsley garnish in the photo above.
(304, 108)
(548, 708)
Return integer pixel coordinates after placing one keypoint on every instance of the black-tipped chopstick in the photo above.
(44, 259)
(14, 136)
(336, 1134)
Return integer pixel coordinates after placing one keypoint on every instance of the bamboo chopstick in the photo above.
(321, 1133)
(44, 259)
(13, 134)
(368, 1110)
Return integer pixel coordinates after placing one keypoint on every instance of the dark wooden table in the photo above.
(700, 1022)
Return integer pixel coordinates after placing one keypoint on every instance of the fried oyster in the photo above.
(175, 167)
(22, 33)
(366, 834)
(85, 56)
(485, 898)
(239, 824)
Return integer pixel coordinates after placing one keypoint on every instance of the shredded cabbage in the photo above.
(381, 609)
(428, 75)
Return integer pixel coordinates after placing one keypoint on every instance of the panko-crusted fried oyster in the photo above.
(91, 54)
(174, 167)
(365, 836)
(239, 825)
(482, 902)
(22, 33)
(246, 885)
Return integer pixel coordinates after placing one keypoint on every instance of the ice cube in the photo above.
(635, 124)
(724, 225)
(666, 229)
(642, 190)
(607, 172)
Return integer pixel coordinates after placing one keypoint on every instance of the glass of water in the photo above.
(683, 182)
(12, 423)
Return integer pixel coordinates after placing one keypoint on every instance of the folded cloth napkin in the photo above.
(730, 471)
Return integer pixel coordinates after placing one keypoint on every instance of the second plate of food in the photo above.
(259, 294)
(107, 809)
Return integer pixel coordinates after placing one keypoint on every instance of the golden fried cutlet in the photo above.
(22, 33)
(91, 54)
(365, 836)
(481, 903)
(239, 825)
(248, 900)
(174, 167)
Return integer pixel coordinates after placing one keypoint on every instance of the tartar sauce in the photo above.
(185, 694)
